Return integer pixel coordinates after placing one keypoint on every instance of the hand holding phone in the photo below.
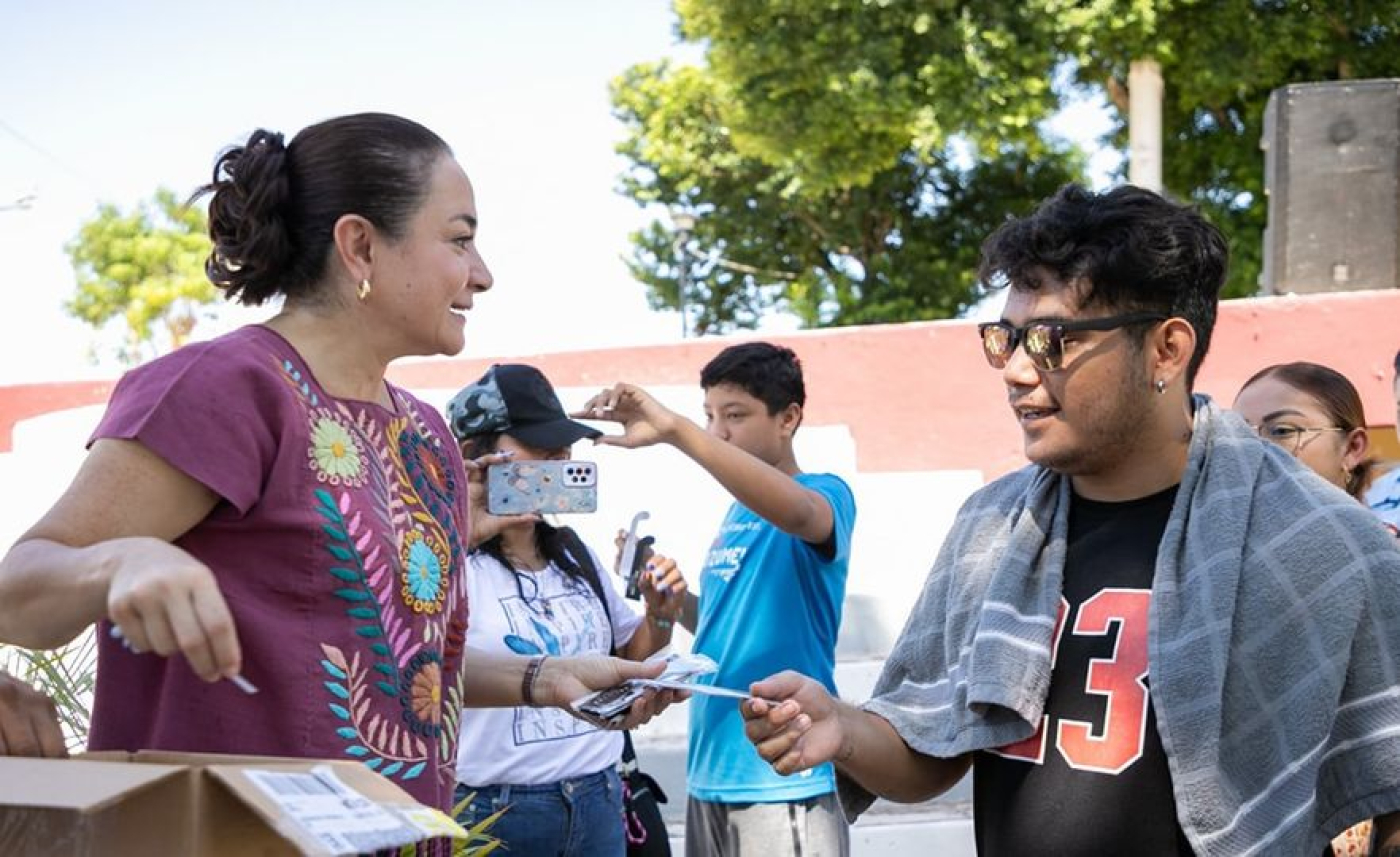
(557, 487)
(609, 707)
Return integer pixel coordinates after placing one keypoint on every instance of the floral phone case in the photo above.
(551, 487)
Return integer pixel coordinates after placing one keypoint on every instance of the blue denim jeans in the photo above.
(580, 817)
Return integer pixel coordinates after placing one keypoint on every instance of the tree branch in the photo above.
(750, 269)
(1117, 93)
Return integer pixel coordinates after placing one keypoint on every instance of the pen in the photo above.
(238, 680)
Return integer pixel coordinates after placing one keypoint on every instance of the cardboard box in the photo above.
(156, 803)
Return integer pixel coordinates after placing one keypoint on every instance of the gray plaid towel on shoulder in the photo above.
(1274, 643)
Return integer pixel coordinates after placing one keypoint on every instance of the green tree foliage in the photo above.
(1220, 61)
(843, 160)
(144, 268)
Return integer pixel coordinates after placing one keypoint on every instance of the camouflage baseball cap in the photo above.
(515, 399)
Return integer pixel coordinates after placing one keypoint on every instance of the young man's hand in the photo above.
(644, 420)
(793, 722)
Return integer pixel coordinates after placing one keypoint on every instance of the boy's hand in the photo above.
(644, 420)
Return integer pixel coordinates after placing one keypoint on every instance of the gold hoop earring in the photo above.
(363, 289)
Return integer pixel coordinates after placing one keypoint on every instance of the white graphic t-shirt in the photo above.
(537, 613)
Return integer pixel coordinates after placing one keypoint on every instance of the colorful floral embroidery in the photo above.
(424, 573)
(393, 544)
(372, 595)
(365, 574)
(429, 481)
(379, 743)
(335, 453)
(422, 694)
(406, 665)
(427, 489)
(292, 375)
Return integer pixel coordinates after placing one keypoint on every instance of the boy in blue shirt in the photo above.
(771, 593)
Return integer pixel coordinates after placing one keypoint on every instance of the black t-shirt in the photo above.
(1094, 779)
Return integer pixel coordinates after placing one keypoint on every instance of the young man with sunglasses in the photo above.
(1161, 637)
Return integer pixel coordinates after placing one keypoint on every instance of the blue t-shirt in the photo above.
(768, 602)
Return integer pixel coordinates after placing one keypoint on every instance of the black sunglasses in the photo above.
(1044, 341)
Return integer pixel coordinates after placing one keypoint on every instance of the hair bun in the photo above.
(274, 205)
(248, 218)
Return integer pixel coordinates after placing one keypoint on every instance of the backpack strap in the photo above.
(579, 553)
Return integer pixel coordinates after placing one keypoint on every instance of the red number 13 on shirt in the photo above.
(1120, 679)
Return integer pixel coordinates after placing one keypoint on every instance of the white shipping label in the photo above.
(339, 818)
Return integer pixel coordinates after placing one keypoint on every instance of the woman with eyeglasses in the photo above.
(1315, 413)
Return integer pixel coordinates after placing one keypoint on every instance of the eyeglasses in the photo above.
(1290, 437)
(1044, 341)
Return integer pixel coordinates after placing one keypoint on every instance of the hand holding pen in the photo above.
(238, 680)
(162, 599)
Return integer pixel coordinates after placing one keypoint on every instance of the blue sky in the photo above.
(103, 102)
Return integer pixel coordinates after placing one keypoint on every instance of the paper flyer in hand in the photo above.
(683, 672)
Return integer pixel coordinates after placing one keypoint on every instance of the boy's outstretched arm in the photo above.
(770, 493)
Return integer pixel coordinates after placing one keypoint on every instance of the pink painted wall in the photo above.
(919, 396)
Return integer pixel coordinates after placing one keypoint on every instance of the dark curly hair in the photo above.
(274, 206)
(1130, 248)
(770, 373)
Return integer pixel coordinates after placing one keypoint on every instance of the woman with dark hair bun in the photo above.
(269, 507)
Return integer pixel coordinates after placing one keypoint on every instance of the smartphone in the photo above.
(555, 487)
(611, 705)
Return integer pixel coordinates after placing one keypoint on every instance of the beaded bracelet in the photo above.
(527, 682)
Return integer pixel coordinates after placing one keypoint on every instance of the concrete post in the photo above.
(1145, 124)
